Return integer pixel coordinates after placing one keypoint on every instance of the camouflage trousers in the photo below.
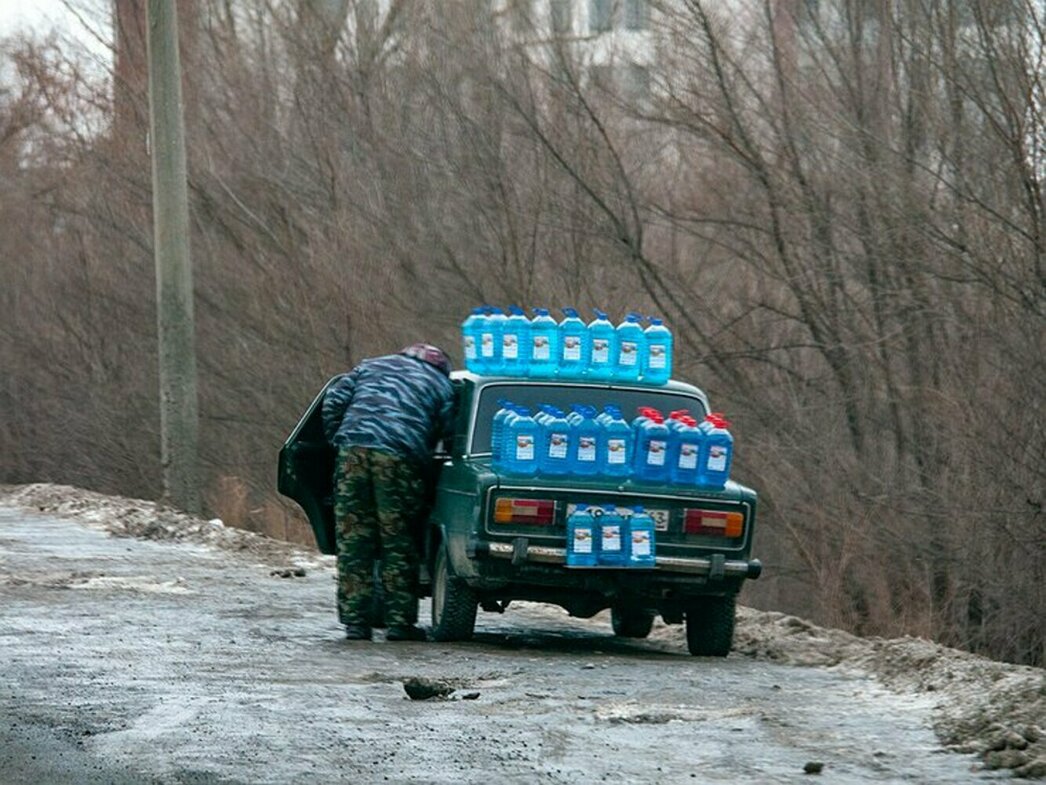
(377, 496)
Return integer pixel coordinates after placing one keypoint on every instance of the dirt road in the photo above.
(123, 660)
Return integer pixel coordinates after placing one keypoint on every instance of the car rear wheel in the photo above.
(710, 626)
(453, 603)
(630, 622)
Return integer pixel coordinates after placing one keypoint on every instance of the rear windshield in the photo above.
(562, 396)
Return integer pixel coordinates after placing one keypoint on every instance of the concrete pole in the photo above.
(179, 420)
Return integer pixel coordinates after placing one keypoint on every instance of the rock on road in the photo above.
(131, 661)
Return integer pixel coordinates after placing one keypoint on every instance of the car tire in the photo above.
(630, 622)
(710, 626)
(454, 604)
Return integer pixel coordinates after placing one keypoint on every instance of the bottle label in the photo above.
(658, 355)
(655, 453)
(571, 348)
(582, 540)
(717, 457)
(510, 346)
(524, 447)
(611, 540)
(688, 456)
(600, 351)
(586, 449)
(557, 445)
(628, 353)
(470, 347)
(487, 344)
(615, 450)
(541, 348)
(640, 543)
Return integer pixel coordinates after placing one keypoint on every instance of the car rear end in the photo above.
(518, 542)
(702, 542)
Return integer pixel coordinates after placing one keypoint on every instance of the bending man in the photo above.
(385, 418)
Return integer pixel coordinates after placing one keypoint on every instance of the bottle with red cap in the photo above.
(652, 440)
(717, 452)
(685, 448)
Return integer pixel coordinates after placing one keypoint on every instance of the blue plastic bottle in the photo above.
(657, 369)
(497, 429)
(581, 538)
(717, 454)
(515, 339)
(586, 438)
(651, 461)
(544, 346)
(470, 337)
(555, 443)
(603, 340)
(616, 455)
(497, 321)
(640, 419)
(611, 531)
(489, 360)
(575, 347)
(684, 455)
(520, 445)
(641, 540)
(631, 348)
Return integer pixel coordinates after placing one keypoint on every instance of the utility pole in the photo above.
(179, 420)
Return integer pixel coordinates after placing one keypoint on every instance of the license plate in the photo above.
(661, 517)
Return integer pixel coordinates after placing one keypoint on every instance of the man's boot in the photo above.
(405, 632)
(357, 632)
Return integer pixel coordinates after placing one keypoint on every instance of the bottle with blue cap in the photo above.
(515, 339)
(470, 337)
(612, 532)
(544, 345)
(616, 447)
(585, 441)
(603, 340)
(657, 365)
(497, 430)
(489, 360)
(555, 443)
(581, 538)
(519, 450)
(641, 540)
(631, 348)
(575, 347)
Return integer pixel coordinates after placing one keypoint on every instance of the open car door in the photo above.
(306, 471)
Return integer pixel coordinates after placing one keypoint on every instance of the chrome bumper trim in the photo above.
(694, 566)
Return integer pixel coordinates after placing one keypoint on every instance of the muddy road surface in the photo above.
(131, 661)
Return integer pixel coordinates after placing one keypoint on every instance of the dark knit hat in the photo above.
(432, 355)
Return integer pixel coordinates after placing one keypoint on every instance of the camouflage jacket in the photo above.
(395, 403)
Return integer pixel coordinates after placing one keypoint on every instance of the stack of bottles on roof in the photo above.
(610, 537)
(500, 344)
(551, 443)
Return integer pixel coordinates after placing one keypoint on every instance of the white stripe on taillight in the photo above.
(535, 512)
(713, 522)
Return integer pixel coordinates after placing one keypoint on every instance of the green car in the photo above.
(489, 538)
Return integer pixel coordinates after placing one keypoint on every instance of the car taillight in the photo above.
(536, 512)
(714, 522)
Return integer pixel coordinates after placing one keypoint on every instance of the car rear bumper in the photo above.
(520, 552)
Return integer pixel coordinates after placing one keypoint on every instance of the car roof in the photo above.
(672, 386)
